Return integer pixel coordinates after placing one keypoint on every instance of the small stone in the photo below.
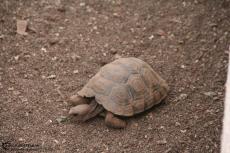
(22, 26)
(51, 76)
(24, 99)
(162, 127)
(160, 32)
(177, 124)
(49, 121)
(183, 131)
(75, 57)
(21, 139)
(75, 71)
(150, 116)
(43, 77)
(11, 88)
(53, 41)
(63, 141)
(151, 37)
(184, 3)
(162, 142)
(16, 93)
(56, 141)
(16, 58)
(183, 66)
(210, 93)
(180, 41)
(54, 58)
(61, 119)
(104, 54)
(94, 27)
(27, 114)
(183, 96)
(115, 14)
(146, 136)
(2, 36)
(44, 50)
(82, 4)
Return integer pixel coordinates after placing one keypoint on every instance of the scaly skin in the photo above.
(87, 109)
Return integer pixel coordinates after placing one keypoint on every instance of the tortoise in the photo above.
(124, 87)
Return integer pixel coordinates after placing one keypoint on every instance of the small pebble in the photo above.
(160, 32)
(1, 36)
(151, 37)
(75, 71)
(21, 139)
(54, 58)
(210, 93)
(183, 96)
(61, 119)
(24, 99)
(49, 121)
(177, 124)
(11, 88)
(115, 14)
(63, 141)
(162, 127)
(183, 131)
(162, 142)
(51, 76)
(183, 66)
(53, 41)
(82, 4)
(16, 58)
(56, 141)
(44, 50)
(75, 57)
(16, 93)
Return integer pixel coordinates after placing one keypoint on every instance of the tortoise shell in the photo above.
(126, 86)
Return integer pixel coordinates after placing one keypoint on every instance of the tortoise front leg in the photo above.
(113, 121)
(77, 100)
(81, 109)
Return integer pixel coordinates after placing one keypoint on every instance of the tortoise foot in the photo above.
(81, 109)
(114, 122)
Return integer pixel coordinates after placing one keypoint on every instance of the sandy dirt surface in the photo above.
(67, 42)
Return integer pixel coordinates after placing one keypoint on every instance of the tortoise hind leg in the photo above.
(113, 121)
(77, 100)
